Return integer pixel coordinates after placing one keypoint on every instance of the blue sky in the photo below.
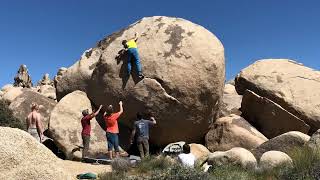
(46, 35)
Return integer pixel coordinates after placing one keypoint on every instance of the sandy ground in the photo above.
(76, 168)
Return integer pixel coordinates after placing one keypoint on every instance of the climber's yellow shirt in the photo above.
(132, 44)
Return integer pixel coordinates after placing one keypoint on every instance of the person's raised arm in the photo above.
(97, 112)
(121, 108)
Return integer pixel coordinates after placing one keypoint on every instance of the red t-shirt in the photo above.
(112, 122)
(86, 127)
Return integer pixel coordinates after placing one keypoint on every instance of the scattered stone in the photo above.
(181, 103)
(268, 117)
(21, 106)
(287, 83)
(22, 78)
(233, 131)
(200, 152)
(22, 157)
(235, 156)
(65, 127)
(284, 143)
(274, 159)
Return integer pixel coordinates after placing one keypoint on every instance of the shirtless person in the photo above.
(34, 123)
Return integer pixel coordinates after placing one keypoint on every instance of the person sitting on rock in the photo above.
(34, 123)
(112, 129)
(86, 129)
(141, 132)
(133, 54)
(186, 158)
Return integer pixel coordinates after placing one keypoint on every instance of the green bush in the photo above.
(7, 119)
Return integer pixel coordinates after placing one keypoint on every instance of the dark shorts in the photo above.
(113, 141)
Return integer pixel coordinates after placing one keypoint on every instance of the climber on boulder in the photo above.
(132, 49)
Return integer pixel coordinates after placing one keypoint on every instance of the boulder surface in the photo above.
(287, 83)
(22, 157)
(65, 126)
(268, 117)
(233, 131)
(184, 70)
(274, 159)
(284, 143)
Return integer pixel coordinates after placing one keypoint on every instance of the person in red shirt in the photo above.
(86, 129)
(112, 129)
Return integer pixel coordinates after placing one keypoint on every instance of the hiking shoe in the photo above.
(141, 76)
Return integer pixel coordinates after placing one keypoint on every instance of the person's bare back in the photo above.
(34, 123)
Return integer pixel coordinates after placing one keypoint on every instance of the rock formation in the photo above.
(45, 80)
(184, 72)
(22, 78)
(268, 117)
(274, 159)
(233, 131)
(21, 106)
(22, 157)
(291, 85)
(284, 143)
(65, 127)
(58, 77)
(235, 156)
(231, 101)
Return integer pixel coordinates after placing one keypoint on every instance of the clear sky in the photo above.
(46, 35)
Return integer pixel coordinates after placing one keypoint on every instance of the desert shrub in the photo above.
(120, 165)
(112, 176)
(230, 172)
(7, 119)
(306, 164)
(153, 163)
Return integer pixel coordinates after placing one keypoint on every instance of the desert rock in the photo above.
(274, 159)
(233, 131)
(22, 78)
(65, 126)
(268, 117)
(287, 83)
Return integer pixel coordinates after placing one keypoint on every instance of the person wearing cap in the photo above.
(34, 123)
(133, 54)
(112, 129)
(86, 129)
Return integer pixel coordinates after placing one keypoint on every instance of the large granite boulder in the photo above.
(284, 143)
(45, 80)
(48, 91)
(233, 131)
(21, 106)
(184, 70)
(200, 152)
(274, 159)
(314, 142)
(291, 85)
(235, 156)
(65, 126)
(268, 117)
(22, 157)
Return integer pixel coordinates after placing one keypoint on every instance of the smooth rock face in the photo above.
(268, 117)
(287, 83)
(12, 94)
(273, 159)
(284, 143)
(314, 142)
(231, 101)
(22, 157)
(200, 152)
(229, 89)
(48, 91)
(21, 106)
(233, 131)
(65, 126)
(77, 77)
(235, 156)
(184, 102)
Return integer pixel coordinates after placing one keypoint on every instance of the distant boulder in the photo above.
(290, 84)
